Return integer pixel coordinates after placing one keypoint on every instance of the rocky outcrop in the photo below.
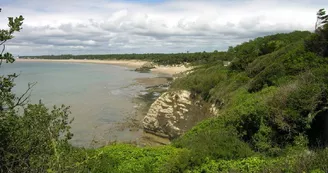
(175, 112)
(146, 67)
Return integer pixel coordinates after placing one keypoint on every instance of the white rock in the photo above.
(214, 110)
(170, 113)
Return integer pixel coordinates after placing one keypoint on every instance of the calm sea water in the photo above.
(100, 95)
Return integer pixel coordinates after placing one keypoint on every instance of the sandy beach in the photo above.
(170, 70)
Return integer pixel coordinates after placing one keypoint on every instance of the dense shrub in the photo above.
(312, 162)
(211, 140)
(38, 141)
(122, 158)
(222, 93)
(202, 80)
(281, 99)
(318, 41)
(247, 52)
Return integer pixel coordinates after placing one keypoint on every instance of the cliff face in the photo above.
(175, 112)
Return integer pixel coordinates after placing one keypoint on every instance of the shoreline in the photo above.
(169, 70)
(154, 89)
(131, 123)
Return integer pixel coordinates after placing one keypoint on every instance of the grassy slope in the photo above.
(269, 99)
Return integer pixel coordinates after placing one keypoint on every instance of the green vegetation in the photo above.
(273, 115)
(273, 97)
(126, 158)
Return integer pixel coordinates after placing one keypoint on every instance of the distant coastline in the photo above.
(169, 70)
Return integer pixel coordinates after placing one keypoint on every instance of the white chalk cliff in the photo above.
(175, 112)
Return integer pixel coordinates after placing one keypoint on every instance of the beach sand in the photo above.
(170, 70)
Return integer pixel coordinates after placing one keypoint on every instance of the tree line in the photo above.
(162, 59)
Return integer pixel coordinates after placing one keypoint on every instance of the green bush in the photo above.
(202, 80)
(247, 52)
(249, 116)
(315, 162)
(248, 165)
(302, 161)
(223, 92)
(318, 41)
(210, 140)
(123, 158)
(267, 77)
(38, 141)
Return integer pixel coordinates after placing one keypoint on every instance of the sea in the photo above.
(100, 96)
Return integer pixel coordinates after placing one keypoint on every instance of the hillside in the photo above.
(272, 98)
(273, 115)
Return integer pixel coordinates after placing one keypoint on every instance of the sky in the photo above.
(54, 27)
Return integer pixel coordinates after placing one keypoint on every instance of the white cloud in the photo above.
(102, 26)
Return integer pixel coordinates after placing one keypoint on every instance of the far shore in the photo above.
(170, 70)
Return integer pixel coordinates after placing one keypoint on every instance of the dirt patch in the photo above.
(153, 82)
(148, 139)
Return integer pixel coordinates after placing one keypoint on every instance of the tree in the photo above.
(322, 19)
(318, 42)
(6, 83)
(35, 140)
(7, 98)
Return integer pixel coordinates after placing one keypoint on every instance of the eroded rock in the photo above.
(175, 112)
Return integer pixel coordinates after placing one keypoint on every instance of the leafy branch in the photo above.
(21, 101)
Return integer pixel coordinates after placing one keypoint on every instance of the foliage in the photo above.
(36, 135)
(32, 137)
(122, 158)
(318, 42)
(7, 99)
(248, 165)
(211, 140)
(273, 95)
(322, 19)
(247, 52)
(202, 81)
(270, 97)
(292, 162)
